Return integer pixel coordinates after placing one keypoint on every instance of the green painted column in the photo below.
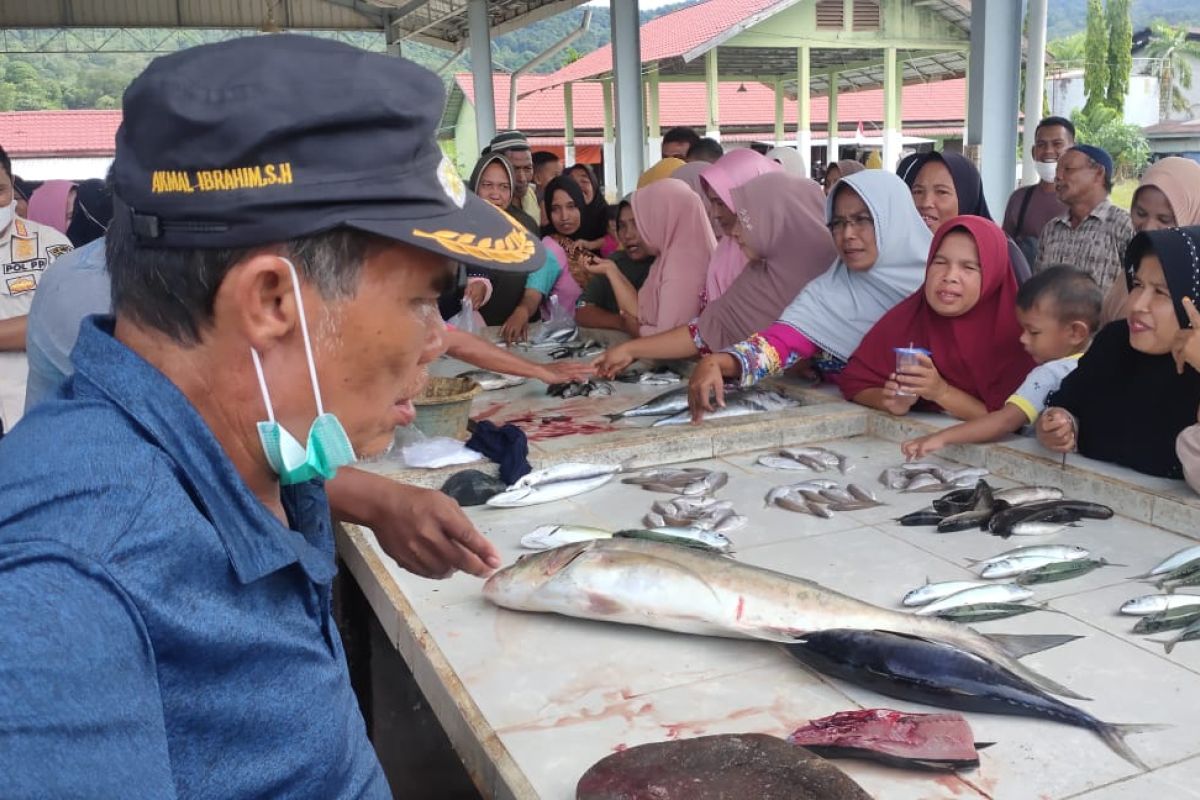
(569, 123)
(892, 88)
(804, 103)
(610, 149)
(779, 97)
(831, 138)
(711, 80)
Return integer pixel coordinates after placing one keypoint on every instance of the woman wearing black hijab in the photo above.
(93, 212)
(595, 209)
(945, 185)
(1128, 400)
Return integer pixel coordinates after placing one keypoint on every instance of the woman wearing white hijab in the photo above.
(882, 246)
(791, 160)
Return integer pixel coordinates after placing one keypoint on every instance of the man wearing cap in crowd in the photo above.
(1093, 234)
(515, 148)
(166, 555)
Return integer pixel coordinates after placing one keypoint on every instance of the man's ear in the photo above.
(258, 297)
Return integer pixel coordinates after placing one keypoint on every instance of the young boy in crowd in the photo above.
(1059, 311)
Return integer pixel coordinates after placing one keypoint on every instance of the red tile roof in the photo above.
(671, 35)
(34, 134)
(685, 104)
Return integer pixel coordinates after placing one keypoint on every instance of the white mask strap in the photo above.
(262, 384)
(312, 365)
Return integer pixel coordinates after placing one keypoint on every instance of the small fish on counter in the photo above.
(924, 476)
(750, 766)
(588, 388)
(492, 381)
(555, 483)
(986, 612)
(1173, 561)
(1062, 552)
(1168, 620)
(1062, 570)
(990, 593)
(897, 738)
(552, 337)
(689, 481)
(938, 674)
(750, 401)
(821, 498)
(663, 376)
(548, 537)
(671, 402)
(930, 592)
(703, 512)
(1152, 603)
(1188, 634)
(815, 459)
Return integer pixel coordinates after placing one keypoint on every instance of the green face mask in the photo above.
(328, 445)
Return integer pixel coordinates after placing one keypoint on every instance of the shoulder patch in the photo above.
(56, 250)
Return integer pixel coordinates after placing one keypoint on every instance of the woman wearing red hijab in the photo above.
(964, 315)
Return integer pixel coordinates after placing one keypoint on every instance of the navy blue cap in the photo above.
(1097, 154)
(268, 138)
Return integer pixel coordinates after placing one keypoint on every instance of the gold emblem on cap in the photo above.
(514, 248)
(451, 183)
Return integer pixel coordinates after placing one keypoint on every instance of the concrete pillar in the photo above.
(653, 124)
(832, 140)
(610, 151)
(711, 81)
(568, 124)
(779, 97)
(892, 86)
(1035, 78)
(481, 71)
(804, 103)
(627, 77)
(996, 54)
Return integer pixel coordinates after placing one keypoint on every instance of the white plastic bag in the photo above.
(466, 319)
(438, 451)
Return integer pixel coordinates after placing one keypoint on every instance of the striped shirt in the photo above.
(1096, 247)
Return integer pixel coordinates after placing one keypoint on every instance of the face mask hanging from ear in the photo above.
(328, 445)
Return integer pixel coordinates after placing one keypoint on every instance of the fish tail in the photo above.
(614, 417)
(1169, 645)
(1114, 736)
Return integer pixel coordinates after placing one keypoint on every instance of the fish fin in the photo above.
(1106, 563)
(1114, 735)
(1019, 645)
(973, 561)
(983, 745)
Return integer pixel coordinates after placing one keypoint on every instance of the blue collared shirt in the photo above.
(162, 634)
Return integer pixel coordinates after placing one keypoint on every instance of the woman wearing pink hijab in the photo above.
(671, 221)
(732, 170)
(52, 204)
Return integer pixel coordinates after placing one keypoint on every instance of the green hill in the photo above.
(1065, 17)
(33, 81)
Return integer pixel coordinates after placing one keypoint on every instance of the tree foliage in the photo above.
(1066, 17)
(1120, 52)
(1095, 46)
(1106, 128)
(1173, 49)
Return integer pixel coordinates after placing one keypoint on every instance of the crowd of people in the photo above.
(736, 258)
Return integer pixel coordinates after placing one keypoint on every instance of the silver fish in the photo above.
(780, 462)
(709, 540)
(1058, 552)
(737, 406)
(971, 474)
(1012, 567)
(992, 593)
(923, 595)
(666, 475)
(1186, 635)
(730, 523)
(654, 520)
(813, 463)
(1154, 603)
(671, 402)
(1021, 495)
(659, 378)
(915, 467)
(552, 337)
(1038, 528)
(1174, 561)
(814, 496)
(863, 495)
(688, 591)
(566, 471)
(816, 484)
(546, 537)
(838, 496)
(893, 478)
(775, 493)
(546, 493)
(491, 381)
(924, 482)
(796, 452)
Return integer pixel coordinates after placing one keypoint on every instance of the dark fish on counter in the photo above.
(942, 675)
(1062, 571)
(896, 738)
(579, 389)
(723, 767)
(986, 612)
(1167, 620)
(472, 487)
(981, 510)
(1002, 522)
(925, 516)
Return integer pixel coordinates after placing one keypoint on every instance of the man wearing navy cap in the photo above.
(1093, 234)
(165, 548)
